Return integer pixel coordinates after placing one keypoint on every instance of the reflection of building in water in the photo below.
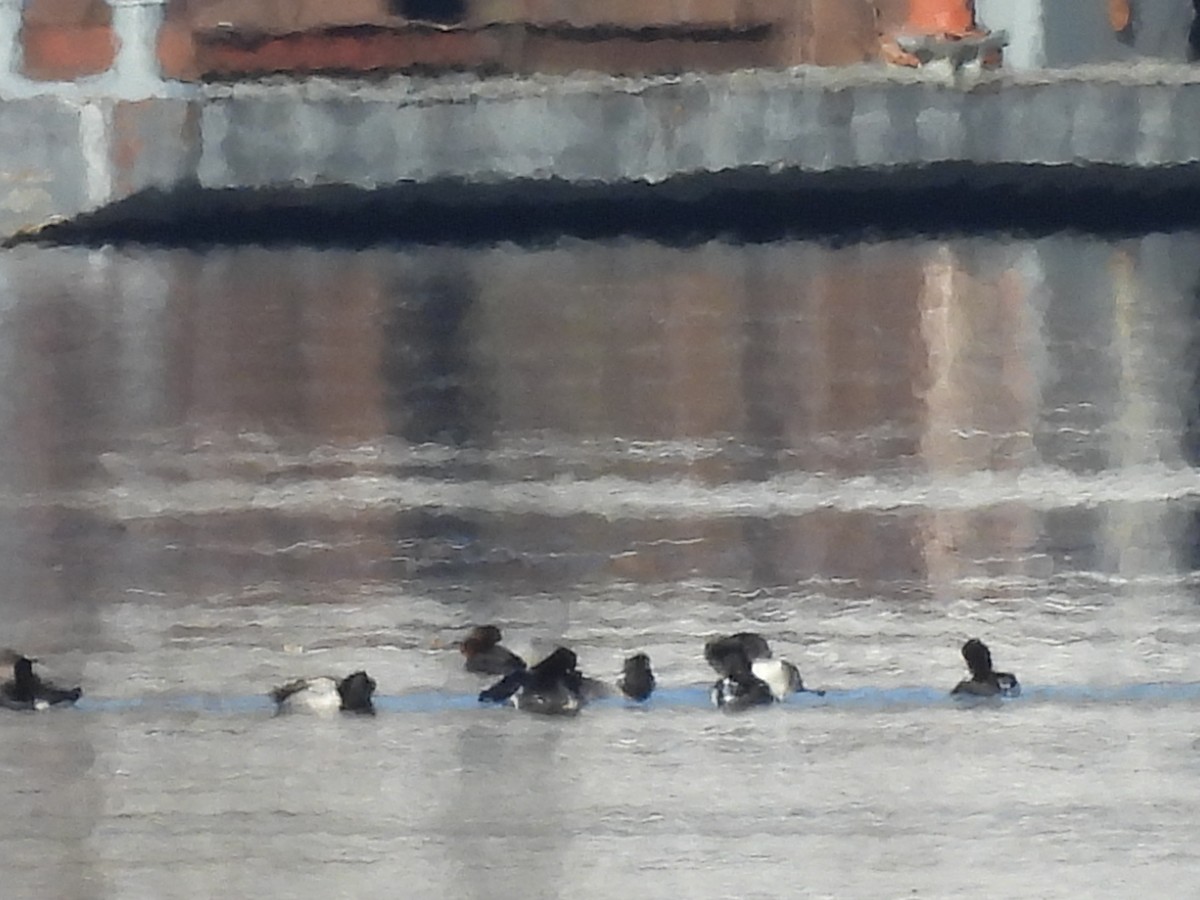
(632, 339)
(981, 398)
(435, 393)
(278, 343)
(777, 370)
(500, 840)
(1115, 412)
(784, 357)
(60, 338)
(1190, 388)
(59, 333)
(595, 344)
(839, 324)
(54, 811)
(57, 345)
(1190, 412)
(1150, 378)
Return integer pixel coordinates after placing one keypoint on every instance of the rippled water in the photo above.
(223, 469)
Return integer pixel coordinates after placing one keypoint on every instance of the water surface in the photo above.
(221, 469)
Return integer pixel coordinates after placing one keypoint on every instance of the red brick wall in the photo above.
(831, 33)
(67, 39)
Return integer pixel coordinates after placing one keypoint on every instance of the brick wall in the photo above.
(62, 40)
(232, 38)
(67, 39)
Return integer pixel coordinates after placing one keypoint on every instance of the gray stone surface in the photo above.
(64, 157)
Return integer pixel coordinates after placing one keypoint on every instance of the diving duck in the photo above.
(739, 688)
(483, 653)
(325, 694)
(984, 681)
(554, 686)
(27, 690)
(747, 649)
(637, 679)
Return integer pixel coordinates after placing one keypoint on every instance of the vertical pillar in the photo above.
(12, 80)
(136, 72)
(1022, 19)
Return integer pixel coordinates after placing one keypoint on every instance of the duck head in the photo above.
(560, 663)
(24, 683)
(355, 691)
(637, 680)
(725, 651)
(978, 659)
(479, 639)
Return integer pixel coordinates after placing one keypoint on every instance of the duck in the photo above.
(721, 652)
(326, 694)
(636, 683)
(27, 690)
(781, 676)
(483, 653)
(637, 678)
(747, 648)
(739, 688)
(554, 686)
(984, 681)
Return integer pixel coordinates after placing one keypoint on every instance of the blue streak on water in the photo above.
(189, 702)
(694, 696)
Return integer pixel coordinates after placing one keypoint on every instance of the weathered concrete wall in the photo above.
(69, 156)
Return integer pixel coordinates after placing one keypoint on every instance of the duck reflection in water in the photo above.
(984, 681)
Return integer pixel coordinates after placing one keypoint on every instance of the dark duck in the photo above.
(326, 694)
(735, 653)
(739, 688)
(483, 653)
(721, 651)
(554, 686)
(636, 683)
(27, 690)
(637, 680)
(984, 681)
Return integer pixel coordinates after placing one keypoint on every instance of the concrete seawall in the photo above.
(71, 155)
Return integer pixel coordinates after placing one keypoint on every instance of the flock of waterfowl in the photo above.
(748, 673)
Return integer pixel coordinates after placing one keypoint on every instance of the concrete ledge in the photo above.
(73, 156)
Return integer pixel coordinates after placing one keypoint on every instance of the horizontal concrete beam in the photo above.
(71, 156)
